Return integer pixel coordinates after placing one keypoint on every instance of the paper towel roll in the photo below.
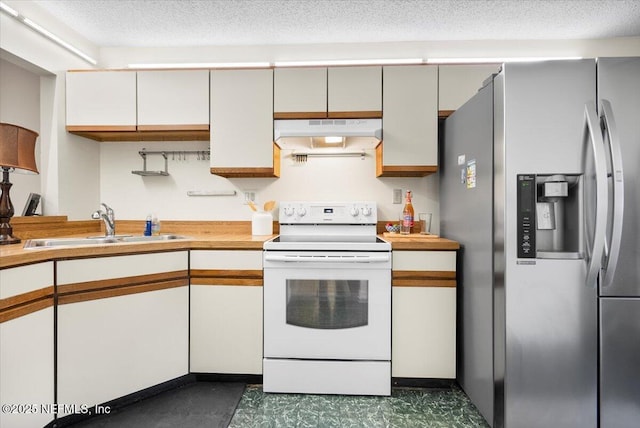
(261, 223)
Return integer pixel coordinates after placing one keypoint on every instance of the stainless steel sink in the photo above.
(95, 240)
(150, 238)
(67, 242)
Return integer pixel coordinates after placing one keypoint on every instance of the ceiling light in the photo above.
(495, 60)
(202, 65)
(332, 62)
(46, 33)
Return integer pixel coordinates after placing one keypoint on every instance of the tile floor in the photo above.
(407, 407)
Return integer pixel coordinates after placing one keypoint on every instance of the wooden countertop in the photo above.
(13, 255)
(200, 236)
(420, 242)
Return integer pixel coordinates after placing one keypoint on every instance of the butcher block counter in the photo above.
(200, 235)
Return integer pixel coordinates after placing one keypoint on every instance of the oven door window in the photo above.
(327, 304)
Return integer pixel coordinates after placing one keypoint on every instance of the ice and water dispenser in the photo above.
(550, 216)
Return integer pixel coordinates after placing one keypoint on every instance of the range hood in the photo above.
(324, 133)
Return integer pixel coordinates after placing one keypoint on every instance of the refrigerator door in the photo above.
(619, 362)
(550, 314)
(619, 84)
(466, 180)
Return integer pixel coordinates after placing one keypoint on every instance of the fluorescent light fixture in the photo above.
(59, 41)
(496, 59)
(201, 65)
(46, 33)
(331, 62)
(8, 10)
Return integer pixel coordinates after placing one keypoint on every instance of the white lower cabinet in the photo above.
(122, 325)
(26, 346)
(226, 312)
(423, 315)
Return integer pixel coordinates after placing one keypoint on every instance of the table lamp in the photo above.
(17, 151)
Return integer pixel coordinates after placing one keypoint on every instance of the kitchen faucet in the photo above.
(108, 217)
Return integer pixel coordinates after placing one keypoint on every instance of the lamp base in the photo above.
(6, 211)
(8, 239)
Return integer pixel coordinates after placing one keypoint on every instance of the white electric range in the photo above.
(327, 301)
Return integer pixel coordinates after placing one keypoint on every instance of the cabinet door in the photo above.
(26, 345)
(123, 325)
(175, 99)
(424, 314)
(300, 93)
(242, 124)
(458, 83)
(355, 92)
(226, 312)
(101, 100)
(410, 121)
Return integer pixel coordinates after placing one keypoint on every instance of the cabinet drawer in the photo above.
(424, 260)
(83, 270)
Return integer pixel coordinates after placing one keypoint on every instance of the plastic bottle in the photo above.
(155, 225)
(147, 226)
(407, 215)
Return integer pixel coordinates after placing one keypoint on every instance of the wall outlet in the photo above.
(249, 196)
(397, 196)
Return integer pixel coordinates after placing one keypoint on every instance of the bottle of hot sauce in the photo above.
(407, 215)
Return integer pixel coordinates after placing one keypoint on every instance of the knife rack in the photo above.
(182, 155)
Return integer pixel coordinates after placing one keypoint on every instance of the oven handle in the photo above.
(383, 258)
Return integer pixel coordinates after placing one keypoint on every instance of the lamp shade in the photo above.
(17, 147)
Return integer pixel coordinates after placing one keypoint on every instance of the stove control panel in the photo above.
(328, 213)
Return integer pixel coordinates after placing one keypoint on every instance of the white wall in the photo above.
(20, 105)
(134, 197)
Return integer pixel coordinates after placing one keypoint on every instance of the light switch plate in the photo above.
(397, 196)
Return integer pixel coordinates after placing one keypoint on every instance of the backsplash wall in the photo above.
(339, 179)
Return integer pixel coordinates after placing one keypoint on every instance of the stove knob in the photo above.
(288, 211)
(366, 211)
(354, 211)
(302, 211)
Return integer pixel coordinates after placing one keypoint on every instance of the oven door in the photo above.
(327, 305)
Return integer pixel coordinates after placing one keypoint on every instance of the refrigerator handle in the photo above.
(596, 252)
(618, 192)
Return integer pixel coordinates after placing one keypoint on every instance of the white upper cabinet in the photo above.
(242, 124)
(300, 90)
(458, 83)
(173, 99)
(101, 100)
(410, 121)
(355, 89)
(335, 92)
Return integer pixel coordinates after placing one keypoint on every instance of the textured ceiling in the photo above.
(166, 23)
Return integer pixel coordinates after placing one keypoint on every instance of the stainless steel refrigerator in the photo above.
(540, 185)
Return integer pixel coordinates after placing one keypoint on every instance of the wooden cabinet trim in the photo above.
(131, 135)
(240, 277)
(372, 114)
(401, 170)
(420, 278)
(93, 290)
(300, 115)
(24, 304)
(248, 172)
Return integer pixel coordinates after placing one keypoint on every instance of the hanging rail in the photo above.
(182, 155)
